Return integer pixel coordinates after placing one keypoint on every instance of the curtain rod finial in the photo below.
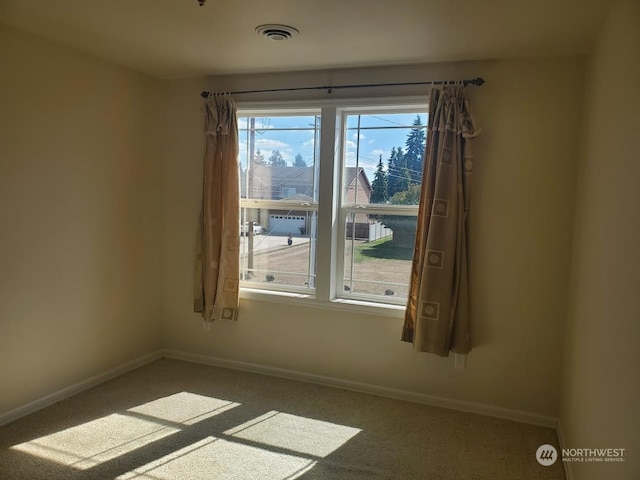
(204, 94)
(478, 81)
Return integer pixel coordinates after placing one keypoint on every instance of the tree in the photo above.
(414, 150)
(379, 192)
(404, 228)
(396, 165)
(276, 160)
(404, 179)
(299, 161)
(411, 196)
(258, 158)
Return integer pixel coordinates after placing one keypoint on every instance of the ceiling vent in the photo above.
(276, 32)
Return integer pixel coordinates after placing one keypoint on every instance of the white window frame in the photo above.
(331, 234)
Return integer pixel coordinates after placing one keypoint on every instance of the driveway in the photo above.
(266, 242)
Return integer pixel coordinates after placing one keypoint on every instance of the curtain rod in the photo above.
(475, 81)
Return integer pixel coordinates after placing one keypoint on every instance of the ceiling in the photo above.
(178, 38)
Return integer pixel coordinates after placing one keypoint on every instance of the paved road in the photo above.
(267, 242)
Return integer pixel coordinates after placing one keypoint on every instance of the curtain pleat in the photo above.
(217, 262)
(437, 314)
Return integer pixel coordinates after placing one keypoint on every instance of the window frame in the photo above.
(331, 222)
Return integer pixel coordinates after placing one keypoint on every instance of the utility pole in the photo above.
(251, 164)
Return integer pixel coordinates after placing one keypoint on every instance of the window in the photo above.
(279, 178)
(288, 191)
(335, 192)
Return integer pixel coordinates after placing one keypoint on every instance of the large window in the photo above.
(279, 199)
(335, 223)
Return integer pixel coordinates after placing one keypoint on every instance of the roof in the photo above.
(271, 180)
(351, 175)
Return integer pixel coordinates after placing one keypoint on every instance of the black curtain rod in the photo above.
(475, 81)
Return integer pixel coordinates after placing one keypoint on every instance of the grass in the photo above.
(383, 248)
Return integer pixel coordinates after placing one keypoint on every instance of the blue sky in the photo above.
(375, 138)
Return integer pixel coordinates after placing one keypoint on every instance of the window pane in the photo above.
(277, 247)
(383, 120)
(277, 157)
(378, 255)
(383, 164)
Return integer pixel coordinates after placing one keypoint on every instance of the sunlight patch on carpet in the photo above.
(92, 443)
(184, 407)
(298, 434)
(223, 460)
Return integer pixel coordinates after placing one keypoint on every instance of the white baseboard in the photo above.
(91, 382)
(562, 440)
(435, 401)
(471, 407)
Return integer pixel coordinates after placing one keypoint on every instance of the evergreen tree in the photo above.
(299, 161)
(395, 171)
(276, 160)
(379, 192)
(414, 150)
(404, 181)
(258, 158)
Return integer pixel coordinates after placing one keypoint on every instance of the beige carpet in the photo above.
(175, 420)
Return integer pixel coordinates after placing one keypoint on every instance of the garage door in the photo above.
(285, 224)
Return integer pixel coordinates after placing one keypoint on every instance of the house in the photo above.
(296, 184)
(100, 164)
(357, 190)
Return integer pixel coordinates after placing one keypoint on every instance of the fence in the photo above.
(368, 231)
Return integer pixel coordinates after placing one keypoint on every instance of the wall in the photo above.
(601, 391)
(79, 217)
(521, 228)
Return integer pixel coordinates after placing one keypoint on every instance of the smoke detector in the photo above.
(276, 32)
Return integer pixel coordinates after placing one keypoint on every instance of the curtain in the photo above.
(437, 314)
(217, 263)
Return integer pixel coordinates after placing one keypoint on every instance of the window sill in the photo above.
(308, 300)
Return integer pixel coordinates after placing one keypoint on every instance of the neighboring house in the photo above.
(297, 184)
(357, 190)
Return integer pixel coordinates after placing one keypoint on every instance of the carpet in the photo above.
(177, 420)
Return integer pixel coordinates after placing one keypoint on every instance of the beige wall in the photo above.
(601, 390)
(79, 217)
(98, 234)
(521, 226)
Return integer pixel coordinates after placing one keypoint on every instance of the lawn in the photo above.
(383, 248)
(379, 267)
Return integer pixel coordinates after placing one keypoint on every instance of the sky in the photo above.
(293, 135)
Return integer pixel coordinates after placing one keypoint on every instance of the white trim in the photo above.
(562, 440)
(39, 404)
(311, 107)
(326, 241)
(382, 209)
(307, 299)
(431, 400)
(311, 206)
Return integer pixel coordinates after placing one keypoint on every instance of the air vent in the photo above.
(276, 32)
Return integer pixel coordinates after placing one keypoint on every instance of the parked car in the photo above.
(244, 228)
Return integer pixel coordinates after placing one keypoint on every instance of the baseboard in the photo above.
(471, 407)
(568, 474)
(91, 382)
(435, 401)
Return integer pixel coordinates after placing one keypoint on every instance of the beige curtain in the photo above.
(437, 315)
(217, 268)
